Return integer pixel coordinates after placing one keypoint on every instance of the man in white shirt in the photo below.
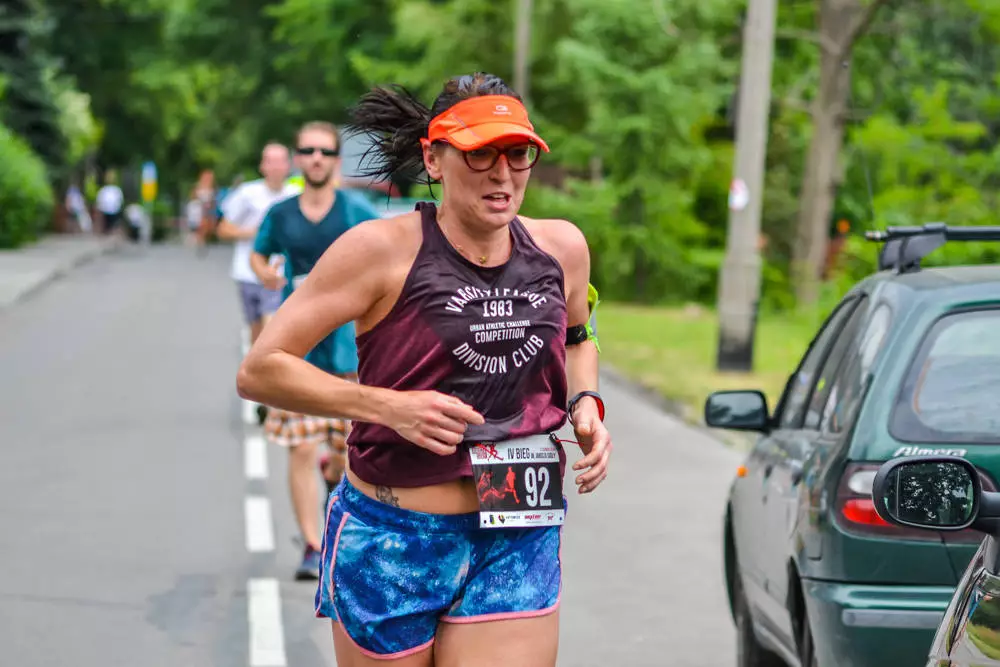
(109, 202)
(242, 212)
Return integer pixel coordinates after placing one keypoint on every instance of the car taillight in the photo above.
(861, 510)
(856, 510)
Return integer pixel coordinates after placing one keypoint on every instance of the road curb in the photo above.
(61, 270)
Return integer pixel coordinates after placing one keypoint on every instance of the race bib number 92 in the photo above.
(518, 482)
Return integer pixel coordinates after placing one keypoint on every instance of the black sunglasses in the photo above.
(309, 150)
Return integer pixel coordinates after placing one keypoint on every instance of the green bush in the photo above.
(26, 198)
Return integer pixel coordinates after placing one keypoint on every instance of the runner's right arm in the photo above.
(227, 231)
(351, 282)
(264, 246)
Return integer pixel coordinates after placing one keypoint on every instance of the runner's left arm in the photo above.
(581, 358)
(582, 362)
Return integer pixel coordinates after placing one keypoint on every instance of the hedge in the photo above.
(26, 197)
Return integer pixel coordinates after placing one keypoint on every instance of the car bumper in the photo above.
(873, 626)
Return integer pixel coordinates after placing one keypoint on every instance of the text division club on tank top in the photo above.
(494, 337)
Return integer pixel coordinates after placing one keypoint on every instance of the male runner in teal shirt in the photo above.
(300, 229)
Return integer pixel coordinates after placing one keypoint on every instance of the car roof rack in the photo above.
(905, 247)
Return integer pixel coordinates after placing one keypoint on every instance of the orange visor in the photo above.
(478, 121)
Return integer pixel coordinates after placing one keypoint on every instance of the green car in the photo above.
(907, 364)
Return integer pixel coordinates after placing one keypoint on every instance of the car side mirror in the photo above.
(933, 492)
(743, 410)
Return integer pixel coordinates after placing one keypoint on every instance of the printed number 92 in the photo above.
(500, 308)
(535, 496)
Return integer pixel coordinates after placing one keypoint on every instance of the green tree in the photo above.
(29, 107)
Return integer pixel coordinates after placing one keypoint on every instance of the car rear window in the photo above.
(951, 392)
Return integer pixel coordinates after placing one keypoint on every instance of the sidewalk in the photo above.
(27, 269)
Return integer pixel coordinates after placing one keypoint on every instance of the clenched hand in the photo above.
(432, 420)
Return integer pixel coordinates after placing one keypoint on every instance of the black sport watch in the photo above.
(594, 395)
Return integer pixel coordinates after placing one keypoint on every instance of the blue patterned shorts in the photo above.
(390, 575)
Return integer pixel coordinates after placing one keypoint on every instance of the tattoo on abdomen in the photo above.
(384, 494)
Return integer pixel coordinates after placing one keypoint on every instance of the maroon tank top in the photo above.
(495, 337)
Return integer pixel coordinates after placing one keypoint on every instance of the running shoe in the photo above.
(309, 569)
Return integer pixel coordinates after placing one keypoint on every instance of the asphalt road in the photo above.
(124, 537)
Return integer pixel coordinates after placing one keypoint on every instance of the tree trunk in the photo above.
(837, 19)
(522, 47)
(596, 169)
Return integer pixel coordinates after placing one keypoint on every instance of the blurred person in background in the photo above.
(242, 212)
(110, 202)
(76, 206)
(140, 221)
(200, 213)
(224, 192)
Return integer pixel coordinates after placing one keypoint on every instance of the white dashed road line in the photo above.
(255, 456)
(245, 340)
(267, 638)
(260, 527)
(249, 411)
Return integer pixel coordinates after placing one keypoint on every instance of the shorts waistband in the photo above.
(373, 512)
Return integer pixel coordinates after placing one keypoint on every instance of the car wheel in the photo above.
(749, 652)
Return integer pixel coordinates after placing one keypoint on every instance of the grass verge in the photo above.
(672, 351)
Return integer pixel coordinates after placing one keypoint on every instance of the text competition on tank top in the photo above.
(493, 337)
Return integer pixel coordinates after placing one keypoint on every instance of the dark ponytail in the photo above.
(396, 121)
